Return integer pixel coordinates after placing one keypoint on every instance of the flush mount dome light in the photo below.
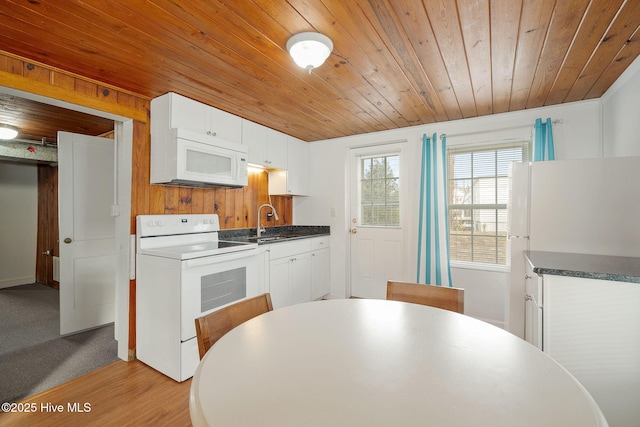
(8, 132)
(309, 50)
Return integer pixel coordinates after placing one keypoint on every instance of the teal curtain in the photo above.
(433, 225)
(543, 148)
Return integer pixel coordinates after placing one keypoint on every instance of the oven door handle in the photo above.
(215, 259)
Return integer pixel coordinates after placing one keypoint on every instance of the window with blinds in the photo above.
(379, 191)
(478, 196)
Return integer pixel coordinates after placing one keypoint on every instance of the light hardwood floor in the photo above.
(122, 394)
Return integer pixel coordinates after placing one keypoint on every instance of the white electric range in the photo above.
(183, 271)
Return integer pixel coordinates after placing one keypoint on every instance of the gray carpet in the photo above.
(33, 355)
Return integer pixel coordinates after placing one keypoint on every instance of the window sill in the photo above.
(480, 266)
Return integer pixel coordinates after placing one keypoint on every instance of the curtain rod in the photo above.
(555, 122)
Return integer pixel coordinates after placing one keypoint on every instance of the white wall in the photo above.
(577, 136)
(620, 118)
(607, 127)
(19, 223)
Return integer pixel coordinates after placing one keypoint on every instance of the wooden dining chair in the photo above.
(213, 326)
(436, 296)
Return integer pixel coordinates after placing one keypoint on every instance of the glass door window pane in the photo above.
(379, 191)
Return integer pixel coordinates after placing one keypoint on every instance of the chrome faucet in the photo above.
(260, 227)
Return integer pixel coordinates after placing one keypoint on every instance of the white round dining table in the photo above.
(361, 362)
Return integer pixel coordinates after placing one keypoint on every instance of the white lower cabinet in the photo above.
(263, 268)
(533, 307)
(280, 282)
(298, 271)
(320, 267)
(301, 277)
(592, 329)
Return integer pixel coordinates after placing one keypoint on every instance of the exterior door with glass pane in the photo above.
(377, 249)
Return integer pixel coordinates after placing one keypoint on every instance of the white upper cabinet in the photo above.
(286, 157)
(293, 181)
(267, 147)
(254, 136)
(297, 181)
(277, 149)
(225, 125)
(176, 111)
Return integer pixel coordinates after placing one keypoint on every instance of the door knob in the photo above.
(67, 240)
(354, 230)
(47, 252)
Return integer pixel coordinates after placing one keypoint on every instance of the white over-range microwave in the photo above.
(182, 157)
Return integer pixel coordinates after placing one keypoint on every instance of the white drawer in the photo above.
(285, 249)
(318, 243)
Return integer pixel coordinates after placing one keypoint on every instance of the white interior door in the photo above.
(377, 247)
(87, 231)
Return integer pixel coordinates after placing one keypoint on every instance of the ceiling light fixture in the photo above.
(309, 50)
(8, 132)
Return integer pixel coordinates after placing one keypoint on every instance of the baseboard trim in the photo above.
(16, 281)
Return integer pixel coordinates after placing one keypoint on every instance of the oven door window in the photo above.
(222, 288)
(212, 282)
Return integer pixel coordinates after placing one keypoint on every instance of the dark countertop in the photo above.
(603, 267)
(275, 234)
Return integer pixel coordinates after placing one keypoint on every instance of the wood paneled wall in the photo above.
(237, 208)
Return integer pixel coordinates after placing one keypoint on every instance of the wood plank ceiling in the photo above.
(395, 63)
(41, 122)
